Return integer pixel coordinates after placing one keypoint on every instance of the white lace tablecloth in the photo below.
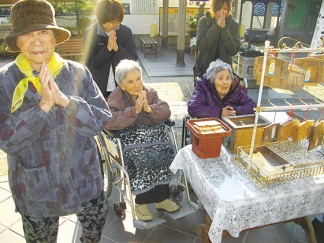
(235, 203)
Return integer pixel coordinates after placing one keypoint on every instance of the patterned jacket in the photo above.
(97, 57)
(210, 37)
(205, 102)
(123, 112)
(52, 157)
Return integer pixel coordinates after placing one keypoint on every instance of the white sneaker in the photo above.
(167, 205)
(143, 213)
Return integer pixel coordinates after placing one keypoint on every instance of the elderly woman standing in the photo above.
(218, 36)
(218, 94)
(139, 113)
(50, 111)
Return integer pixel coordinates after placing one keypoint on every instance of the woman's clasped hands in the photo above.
(112, 41)
(141, 103)
(228, 111)
(221, 20)
(51, 94)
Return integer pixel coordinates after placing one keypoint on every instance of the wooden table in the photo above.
(236, 203)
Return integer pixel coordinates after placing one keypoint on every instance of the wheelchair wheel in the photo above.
(119, 208)
(176, 193)
(105, 165)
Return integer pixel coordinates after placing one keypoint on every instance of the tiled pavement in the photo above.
(182, 230)
(165, 63)
(176, 90)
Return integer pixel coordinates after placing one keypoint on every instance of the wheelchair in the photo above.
(116, 177)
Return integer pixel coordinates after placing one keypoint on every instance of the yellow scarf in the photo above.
(55, 65)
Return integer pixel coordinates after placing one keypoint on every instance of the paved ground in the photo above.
(3, 163)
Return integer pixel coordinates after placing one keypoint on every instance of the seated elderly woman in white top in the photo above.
(139, 113)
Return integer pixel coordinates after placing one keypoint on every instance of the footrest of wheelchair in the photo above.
(139, 224)
(182, 212)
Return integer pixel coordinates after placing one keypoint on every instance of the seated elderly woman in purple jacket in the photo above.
(217, 94)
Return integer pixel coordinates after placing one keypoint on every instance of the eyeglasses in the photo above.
(114, 22)
(112, 25)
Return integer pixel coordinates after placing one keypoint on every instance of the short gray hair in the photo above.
(124, 67)
(215, 67)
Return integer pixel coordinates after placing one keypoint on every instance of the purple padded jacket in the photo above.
(205, 102)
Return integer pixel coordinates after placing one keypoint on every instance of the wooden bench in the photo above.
(148, 46)
(71, 49)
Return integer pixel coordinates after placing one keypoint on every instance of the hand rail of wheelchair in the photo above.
(112, 133)
(170, 123)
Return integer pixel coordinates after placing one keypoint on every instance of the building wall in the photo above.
(140, 21)
(318, 37)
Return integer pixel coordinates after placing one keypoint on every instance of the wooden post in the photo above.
(268, 16)
(77, 16)
(165, 21)
(181, 33)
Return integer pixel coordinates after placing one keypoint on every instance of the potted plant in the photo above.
(192, 24)
(193, 20)
(81, 9)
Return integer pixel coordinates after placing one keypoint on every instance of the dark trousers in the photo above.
(157, 194)
(45, 229)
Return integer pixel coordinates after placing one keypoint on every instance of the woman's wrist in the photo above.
(148, 109)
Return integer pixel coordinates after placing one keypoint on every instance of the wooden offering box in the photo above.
(207, 134)
(267, 162)
(242, 129)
